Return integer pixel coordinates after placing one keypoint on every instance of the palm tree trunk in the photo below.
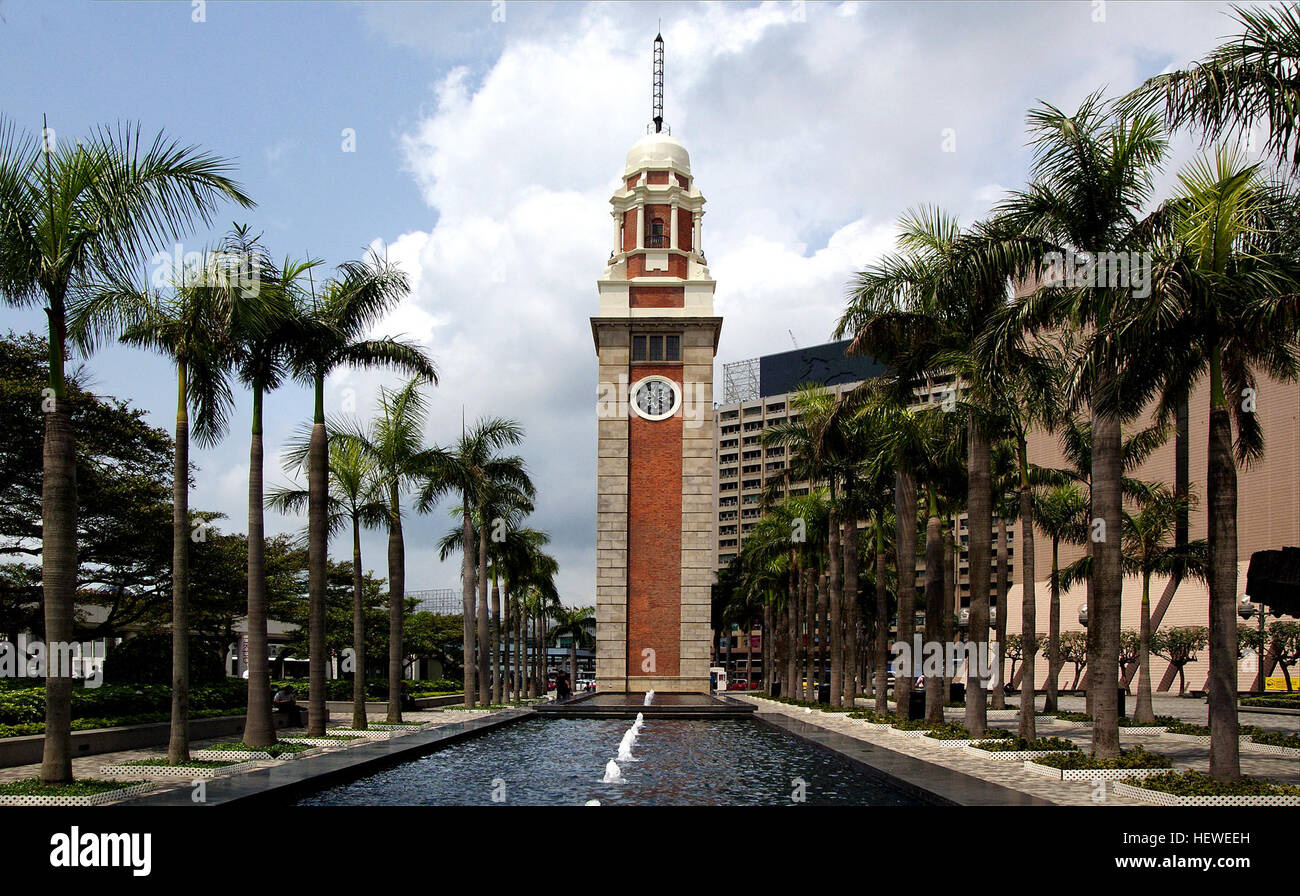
(934, 609)
(178, 742)
(949, 595)
(573, 661)
(58, 556)
(905, 547)
(259, 726)
(1221, 526)
(832, 630)
(484, 645)
(749, 653)
(359, 721)
(1143, 713)
(1054, 630)
(882, 620)
(1107, 578)
(1028, 603)
(979, 509)
(317, 561)
(791, 690)
(811, 658)
(849, 603)
(494, 638)
(998, 699)
(396, 604)
(467, 600)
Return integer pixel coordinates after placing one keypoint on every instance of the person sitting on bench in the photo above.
(284, 702)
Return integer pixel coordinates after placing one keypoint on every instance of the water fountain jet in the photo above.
(613, 774)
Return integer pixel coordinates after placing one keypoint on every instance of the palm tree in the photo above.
(572, 623)
(75, 215)
(1061, 512)
(264, 342)
(923, 311)
(1146, 532)
(1229, 298)
(1093, 173)
(342, 313)
(525, 568)
(192, 328)
(472, 469)
(1248, 79)
(356, 499)
(393, 447)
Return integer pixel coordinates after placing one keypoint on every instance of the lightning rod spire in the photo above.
(657, 93)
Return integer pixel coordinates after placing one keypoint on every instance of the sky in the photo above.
(478, 143)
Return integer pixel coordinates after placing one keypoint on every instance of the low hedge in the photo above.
(19, 706)
(276, 749)
(80, 787)
(1284, 700)
(1194, 783)
(954, 731)
(1077, 759)
(1018, 744)
(1277, 739)
(376, 688)
(879, 718)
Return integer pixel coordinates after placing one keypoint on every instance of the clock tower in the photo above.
(655, 337)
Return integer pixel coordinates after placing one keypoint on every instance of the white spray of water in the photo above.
(625, 746)
(650, 697)
(613, 774)
(592, 803)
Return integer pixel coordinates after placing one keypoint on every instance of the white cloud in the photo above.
(811, 128)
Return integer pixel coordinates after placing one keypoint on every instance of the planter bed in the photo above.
(350, 740)
(247, 755)
(1002, 715)
(876, 726)
(1144, 729)
(178, 771)
(1168, 799)
(1006, 755)
(368, 734)
(126, 791)
(1275, 750)
(1089, 774)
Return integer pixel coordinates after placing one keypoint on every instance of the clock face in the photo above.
(655, 398)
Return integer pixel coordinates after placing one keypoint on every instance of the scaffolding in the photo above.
(740, 381)
(439, 601)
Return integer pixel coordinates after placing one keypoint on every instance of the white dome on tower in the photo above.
(658, 150)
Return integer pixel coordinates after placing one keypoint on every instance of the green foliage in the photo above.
(1194, 783)
(147, 659)
(279, 748)
(870, 715)
(1281, 701)
(118, 702)
(1277, 739)
(1127, 722)
(1074, 717)
(1017, 744)
(80, 787)
(1138, 758)
(954, 731)
(193, 763)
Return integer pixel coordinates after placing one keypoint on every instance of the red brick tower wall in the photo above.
(654, 538)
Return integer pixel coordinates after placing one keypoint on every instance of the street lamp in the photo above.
(1247, 608)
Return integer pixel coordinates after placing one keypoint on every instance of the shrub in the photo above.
(1074, 717)
(80, 787)
(954, 731)
(1277, 739)
(1017, 744)
(1138, 758)
(880, 718)
(1160, 720)
(1194, 783)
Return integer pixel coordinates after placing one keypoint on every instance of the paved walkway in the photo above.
(1013, 774)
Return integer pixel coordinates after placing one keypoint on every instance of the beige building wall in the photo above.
(1268, 516)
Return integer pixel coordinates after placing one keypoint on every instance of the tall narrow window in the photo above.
(656, 348)
(638, 348)
(657, 238)
(672, 347)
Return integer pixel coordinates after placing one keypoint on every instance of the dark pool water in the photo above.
(679, 762)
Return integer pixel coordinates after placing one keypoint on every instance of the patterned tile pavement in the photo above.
(1013, 775)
